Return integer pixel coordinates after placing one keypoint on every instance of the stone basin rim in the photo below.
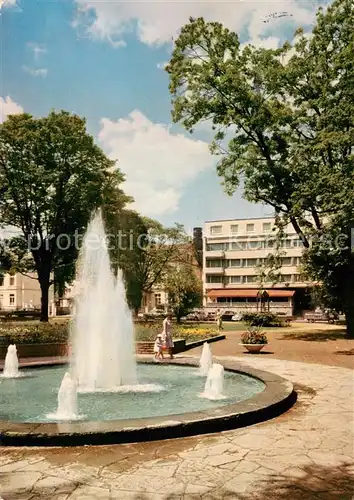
(277, 397)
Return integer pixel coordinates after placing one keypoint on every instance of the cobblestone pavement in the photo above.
(306, 453)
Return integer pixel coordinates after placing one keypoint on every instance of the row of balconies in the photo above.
(241, 254)
(211, 280)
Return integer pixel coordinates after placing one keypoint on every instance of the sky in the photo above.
(104, 60)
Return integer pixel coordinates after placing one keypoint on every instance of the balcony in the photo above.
(211, 254)
(214, 270)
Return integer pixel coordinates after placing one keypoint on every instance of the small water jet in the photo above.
(11, 363)
(67, 400)
(214, 383)
(206, 360)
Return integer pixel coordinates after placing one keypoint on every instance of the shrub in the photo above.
(43, 333)
(254, 335)
(52, 333)
(262, 319)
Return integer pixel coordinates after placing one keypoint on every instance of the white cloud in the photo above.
(158, 22)
(7, 3)
(8, 107)
(158, 164)
(36, 72)
(37, 49)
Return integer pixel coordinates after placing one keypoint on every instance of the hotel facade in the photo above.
(234, 250)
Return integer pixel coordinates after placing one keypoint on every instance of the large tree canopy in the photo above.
(184, 289)
(52, 176)
(284, 125)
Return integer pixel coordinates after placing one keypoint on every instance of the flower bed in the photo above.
(58, 333)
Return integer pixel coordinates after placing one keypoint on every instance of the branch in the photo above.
(27, 275)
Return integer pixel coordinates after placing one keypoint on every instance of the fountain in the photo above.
(67, 400)
(206, 360)
(214, 383)
(104, 369)
(11, 363)
(103, 331)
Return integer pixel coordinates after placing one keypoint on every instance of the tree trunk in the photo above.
(349, 317)
(349, 298)
(44, 284)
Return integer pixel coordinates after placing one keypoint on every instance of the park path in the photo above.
(320, 344)
(306, 453)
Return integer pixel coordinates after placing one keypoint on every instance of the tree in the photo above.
(143, 248)
(128, 235)
(184, 290)
(52, 177)
(284, 124)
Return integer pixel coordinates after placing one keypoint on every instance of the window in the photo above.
(12, 280)
(280, 299)
(249, 228)
(214, 263)
(158, 299)
(215, 230)
(234, 262)
(296, 261)
(286, 261)
(286, 243)
(234, 228)
(212, 247)
(254, 245)
(297, 243)
(239, 245)
(286, 278)
(212, 278)
(267, 226)
(1, 280)
(234, 279)
(250, 279)
(250, 262)
(1, 299)
(298, 278)
(12, 299)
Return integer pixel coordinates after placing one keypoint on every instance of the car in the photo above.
(210, 316)
(236, 317)
(227, 315)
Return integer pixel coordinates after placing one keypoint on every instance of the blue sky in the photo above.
(104, 61)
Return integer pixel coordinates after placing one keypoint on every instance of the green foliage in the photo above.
(262, 319)
(148, 331)
(284, 124)
(184, 290)
(47, 333)
(254, 335)
(52, 176)
(44, 333)
(144, 249)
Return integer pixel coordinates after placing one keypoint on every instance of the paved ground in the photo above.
(306, 453)
(320, 343)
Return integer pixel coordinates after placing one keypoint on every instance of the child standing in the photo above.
(158, 347)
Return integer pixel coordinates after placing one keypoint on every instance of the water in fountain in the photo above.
(67, 400)
(206, 360)
(214, 383)
(103, 331)
(11, 363)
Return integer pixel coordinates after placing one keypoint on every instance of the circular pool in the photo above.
(167, 404)
(164, 390)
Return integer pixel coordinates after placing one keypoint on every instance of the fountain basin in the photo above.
(276, 397)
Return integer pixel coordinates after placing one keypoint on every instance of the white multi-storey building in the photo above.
(233, 252)
(19, 292)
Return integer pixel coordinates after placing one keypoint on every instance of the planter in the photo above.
(254, 348)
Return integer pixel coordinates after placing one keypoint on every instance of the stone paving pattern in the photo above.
(306, 453)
